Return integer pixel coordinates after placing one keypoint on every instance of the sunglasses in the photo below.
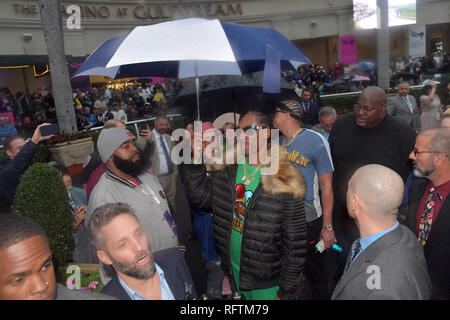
(254, 127)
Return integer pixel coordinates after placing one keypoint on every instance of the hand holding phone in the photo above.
(49, 130)
(39, 135)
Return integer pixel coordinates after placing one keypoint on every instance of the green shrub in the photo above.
(42, 196)
(341, 102)
(43, 155)
(94, 135)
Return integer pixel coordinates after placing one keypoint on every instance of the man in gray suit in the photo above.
(404, 106)
(162, 166)
(387, 262)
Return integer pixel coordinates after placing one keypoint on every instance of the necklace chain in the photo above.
(292, 138)
(247, 179)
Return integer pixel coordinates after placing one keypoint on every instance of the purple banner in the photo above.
(349, 52)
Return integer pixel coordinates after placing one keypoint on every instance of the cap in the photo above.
(224, 118)
(293, 107)
(110, 140)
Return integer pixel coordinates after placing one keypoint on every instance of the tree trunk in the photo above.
(54, 40)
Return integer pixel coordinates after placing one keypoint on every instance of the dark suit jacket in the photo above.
(437, 248)
(401, 267)
(176, 273)
(312, 117)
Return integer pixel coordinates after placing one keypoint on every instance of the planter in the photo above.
(73, 152)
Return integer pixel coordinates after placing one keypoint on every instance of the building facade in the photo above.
(314, 26)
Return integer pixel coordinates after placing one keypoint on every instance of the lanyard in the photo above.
(148, 192)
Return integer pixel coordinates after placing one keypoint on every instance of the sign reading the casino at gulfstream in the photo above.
(144, 11)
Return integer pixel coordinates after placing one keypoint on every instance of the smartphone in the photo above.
(49, 130)
(142, 126)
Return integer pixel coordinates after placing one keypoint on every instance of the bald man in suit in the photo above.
(387, 262)
(403, 107)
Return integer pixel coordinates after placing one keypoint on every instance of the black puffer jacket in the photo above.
(274, 235)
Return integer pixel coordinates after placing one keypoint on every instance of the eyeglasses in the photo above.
(426, 151)
(254, 127)
(358, 107)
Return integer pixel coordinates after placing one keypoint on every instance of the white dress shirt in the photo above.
(163, 169)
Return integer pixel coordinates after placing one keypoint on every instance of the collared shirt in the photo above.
(440, 196)
(367, 241)
(163, 169)
(304, 105)
(325, 134)
(408, 102)
(166, 293)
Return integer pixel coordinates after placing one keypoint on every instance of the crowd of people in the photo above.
(439, 62)
(340, 78)
(93, 107)
(358, 207)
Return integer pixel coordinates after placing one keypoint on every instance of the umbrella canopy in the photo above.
(193, 48)
(405, 75)
(223, 94)
(337, 82)
(211, 83)
(366, 65)
(360, 78)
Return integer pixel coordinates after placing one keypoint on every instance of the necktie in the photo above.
(307, 107)
(426, 219)
(166, 154)
(355, 248)
(409, 104)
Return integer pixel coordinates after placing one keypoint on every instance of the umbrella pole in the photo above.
(198, 97)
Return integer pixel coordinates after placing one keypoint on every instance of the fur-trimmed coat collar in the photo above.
(288, 179)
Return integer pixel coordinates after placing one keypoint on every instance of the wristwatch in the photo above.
(330, 227)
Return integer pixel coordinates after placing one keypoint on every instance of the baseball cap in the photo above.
(110, 139)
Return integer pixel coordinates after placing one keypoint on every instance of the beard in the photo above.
(134, 271)
(422, 172)
(133, 168)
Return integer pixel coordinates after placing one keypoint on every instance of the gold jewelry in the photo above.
(247, 179)
(292, 138)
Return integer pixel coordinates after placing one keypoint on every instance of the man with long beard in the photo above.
(127, 181)
(121, 242)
